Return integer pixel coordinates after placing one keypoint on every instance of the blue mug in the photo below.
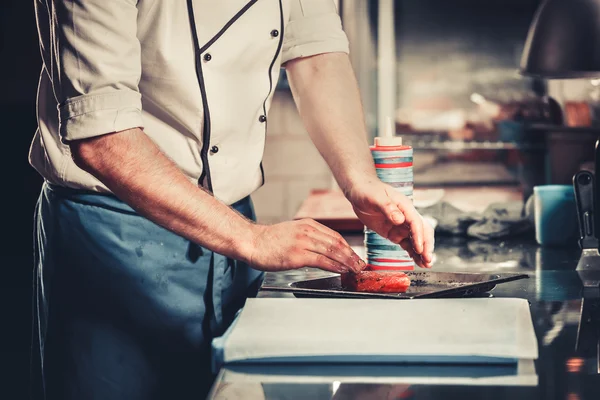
(556, 222)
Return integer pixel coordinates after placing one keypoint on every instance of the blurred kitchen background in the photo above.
(456, 96)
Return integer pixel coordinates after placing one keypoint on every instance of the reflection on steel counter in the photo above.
(588, 332)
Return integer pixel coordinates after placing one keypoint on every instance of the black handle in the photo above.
(583, 184)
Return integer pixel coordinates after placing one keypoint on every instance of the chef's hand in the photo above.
(299, 244)
(391, 214)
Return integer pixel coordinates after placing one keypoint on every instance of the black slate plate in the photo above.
(424, 284)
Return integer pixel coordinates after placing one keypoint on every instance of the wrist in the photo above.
(245, 246)
(355, 182)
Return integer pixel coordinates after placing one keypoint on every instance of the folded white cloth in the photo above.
(380, 331)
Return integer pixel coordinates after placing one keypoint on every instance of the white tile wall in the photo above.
(292, 157)
(269, 200)
(284, 119)
(293, 166)
(298, 190)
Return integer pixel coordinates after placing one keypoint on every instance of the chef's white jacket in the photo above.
(197, 75)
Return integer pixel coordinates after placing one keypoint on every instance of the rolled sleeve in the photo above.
(96, 67)
(94, 115)
(314, 28)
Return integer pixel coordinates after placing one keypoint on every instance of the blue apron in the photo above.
(124, 308)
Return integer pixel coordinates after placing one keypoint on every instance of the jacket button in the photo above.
(262, 118)
(214, 149)
(274, 33)
(207, 57)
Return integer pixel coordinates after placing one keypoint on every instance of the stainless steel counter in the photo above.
(553, 290)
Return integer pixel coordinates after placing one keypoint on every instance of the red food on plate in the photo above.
(376, 281)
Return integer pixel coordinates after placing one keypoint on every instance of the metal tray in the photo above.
(423, 285)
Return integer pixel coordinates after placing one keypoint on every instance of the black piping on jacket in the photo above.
(199, 74)
(281, 32)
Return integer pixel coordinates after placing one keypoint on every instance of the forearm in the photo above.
(137, 172)
(327, 97)
(326, 93)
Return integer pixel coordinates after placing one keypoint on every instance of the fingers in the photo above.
(336, 249)
(398, 233)
(388, 207)
(428, 242)
(326, 242)
(401, 235)
(322, 228)
(412, 219)
(312, 259)
(407, 245)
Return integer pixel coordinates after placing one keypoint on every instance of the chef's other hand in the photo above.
(392, 215)
(303, 243)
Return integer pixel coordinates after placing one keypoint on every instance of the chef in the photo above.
(152, 119)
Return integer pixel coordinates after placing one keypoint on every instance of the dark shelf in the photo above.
(559, 128)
